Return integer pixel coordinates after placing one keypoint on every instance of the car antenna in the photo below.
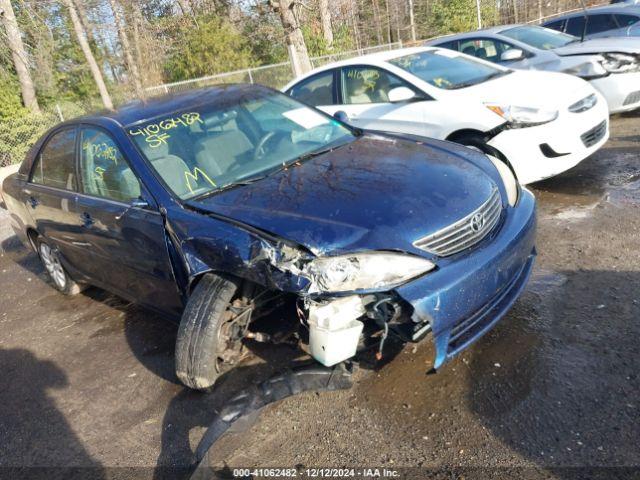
(586, 21)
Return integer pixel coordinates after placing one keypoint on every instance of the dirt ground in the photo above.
(551, 392)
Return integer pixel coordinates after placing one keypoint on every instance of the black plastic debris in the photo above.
(248, 404)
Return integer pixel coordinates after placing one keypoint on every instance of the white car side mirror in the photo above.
(401, 94)
(511, 55)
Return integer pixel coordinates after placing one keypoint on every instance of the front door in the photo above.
(365, 100)
(126, 246)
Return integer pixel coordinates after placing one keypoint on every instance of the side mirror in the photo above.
(511, 55)
(341, 116)
(401, 94)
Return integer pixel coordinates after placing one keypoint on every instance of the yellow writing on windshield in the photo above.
(194, 177)
(99, 173)
(155, 134)
(369, 77)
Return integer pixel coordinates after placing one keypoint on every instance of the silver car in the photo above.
(611, 65)
(620, 20)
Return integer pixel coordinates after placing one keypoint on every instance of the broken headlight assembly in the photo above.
(521, 117)
(363, 271)
(620, 63)
(588, 71)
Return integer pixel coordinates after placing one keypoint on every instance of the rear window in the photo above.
(315, 91)
(556, 25)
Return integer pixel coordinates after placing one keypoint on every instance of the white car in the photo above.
(611, 65)
(540, 123)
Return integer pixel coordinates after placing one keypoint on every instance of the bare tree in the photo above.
(19, 55)
(84, 45)
(295, 39)
(325, 18)
(126, 49)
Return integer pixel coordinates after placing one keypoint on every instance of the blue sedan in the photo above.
(221, 206)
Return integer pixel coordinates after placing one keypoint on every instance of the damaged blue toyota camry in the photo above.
(224, 205)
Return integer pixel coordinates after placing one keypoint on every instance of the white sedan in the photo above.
(540, 123)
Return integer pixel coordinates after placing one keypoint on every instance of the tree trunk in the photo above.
(132, 66)
(84, 20)
(412, 22)
(376, 20)
(325, 18)
(295, 40)
(20, 62)
(84, 45)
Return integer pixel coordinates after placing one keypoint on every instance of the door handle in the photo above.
(33, 201)
(87, 220)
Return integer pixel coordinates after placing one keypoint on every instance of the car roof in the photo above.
(618, 8)
(486, 31)
(141, 110)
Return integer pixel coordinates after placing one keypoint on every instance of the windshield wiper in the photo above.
(479, 80)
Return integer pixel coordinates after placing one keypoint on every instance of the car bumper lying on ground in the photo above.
(465, 297)
(622, 91)
(540, 152)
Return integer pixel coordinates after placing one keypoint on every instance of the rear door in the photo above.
(51, 191)
(125, 242)
(364, 92)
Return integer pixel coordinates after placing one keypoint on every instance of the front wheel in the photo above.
(210, 336)
(50, 258)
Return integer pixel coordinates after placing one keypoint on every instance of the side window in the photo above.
(486, 49)
(362, 85)
(555, 25)
(104, 171)
(54, 165)
(453, 45)
(575, 26)
(315, 91)
(626, 20)
(601, 23)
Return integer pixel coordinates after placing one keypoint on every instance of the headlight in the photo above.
(363, 271)
(588, 70)
(508, 178)
(620, 63)
(520, 117)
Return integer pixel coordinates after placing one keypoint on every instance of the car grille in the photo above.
(594, 135)
(632, 98)
(465, 232)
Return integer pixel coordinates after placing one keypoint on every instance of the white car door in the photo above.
(364, 93)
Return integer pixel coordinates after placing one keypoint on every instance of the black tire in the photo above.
(477, 142)
(50, 259)
(200, 345)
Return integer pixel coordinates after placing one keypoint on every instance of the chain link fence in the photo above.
(275, 76)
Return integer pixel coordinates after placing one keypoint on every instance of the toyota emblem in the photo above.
(477, 222)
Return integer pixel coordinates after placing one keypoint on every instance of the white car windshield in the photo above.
(447, 70)
(238, 139)
(539, 37)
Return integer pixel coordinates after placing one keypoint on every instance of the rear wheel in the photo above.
(213, 325)
(51, 260)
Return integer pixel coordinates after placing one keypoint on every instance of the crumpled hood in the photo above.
(377, 193)
(601, 45)
(530, 88)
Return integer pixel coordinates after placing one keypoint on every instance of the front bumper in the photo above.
(524, 147)
(470, 292)
(621, 90)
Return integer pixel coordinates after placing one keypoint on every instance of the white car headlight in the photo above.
(620, 63)
(521, 117)
(587, 70)
(509, 180)
(363, 271)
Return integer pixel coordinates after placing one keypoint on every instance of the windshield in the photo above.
(539, 37)
(246, 134)
(446, 69)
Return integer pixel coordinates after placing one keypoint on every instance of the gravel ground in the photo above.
(551, 392)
